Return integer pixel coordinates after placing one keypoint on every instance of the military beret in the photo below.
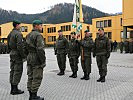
(16, 22)
(100, 29)
(60, 31)
(86, 31)
(73, 33)
(37, 22)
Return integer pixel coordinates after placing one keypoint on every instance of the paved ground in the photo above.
(119, 85)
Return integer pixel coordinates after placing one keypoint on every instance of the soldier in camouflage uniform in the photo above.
(102, 53)
(36, 60)
(87, 46)
(15, 42)
(121, 47)
(0, 47)
(73, 54)
(131, 46)
(61, 50)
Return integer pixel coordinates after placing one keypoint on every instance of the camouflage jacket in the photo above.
(35, 48)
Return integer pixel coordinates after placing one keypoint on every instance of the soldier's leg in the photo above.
(75, 67)
(83, 68)
(88, 67)
(71, 61)
(104, 66)
(30, 77)
(36, 82)
(63, 62)
(37, 78)
(18, 70)
(59, 61)
(11, 72)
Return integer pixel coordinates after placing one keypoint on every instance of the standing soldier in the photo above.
(126, 44)
(102, 53)
(73, 54)
(0, 47)
(36, 60)
(87, 45)
(15, 42)
(61, 50)
(121, 47)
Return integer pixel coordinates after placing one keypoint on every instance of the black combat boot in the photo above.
(61, 73)
(99, 80)
(103, 79)
(85, 74)
(87, 77)
(74, 75)
(30, 95)
(35, 97)
(16, 91)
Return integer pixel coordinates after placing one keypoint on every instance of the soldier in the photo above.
(15, 42)
(126, 44)
(87, 45)
(61, 50)
(0, 47)
(102, 53)
(36, 60)
(121, 47)
(115, 46)
(73, 54)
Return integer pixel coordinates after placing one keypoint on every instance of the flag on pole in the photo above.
(77, 16)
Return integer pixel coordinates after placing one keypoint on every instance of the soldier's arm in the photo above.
(19, 38)
(78, 48)
(66, 45)
(40, 49)
(108, 48)
(8, 47)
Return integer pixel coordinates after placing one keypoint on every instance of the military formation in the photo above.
(31, 49)
(84, 48)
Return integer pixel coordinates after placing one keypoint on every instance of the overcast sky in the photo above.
(38, 6)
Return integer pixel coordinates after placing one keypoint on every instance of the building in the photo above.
(49, 32)
(127, 18)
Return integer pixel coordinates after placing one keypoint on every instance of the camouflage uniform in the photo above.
(36, 60)
(73, 55)
(102, 53)
(61, 50)
(87, 46)
(15, 42)
(121, 46)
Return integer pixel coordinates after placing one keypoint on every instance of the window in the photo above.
(24, 29)
(109, 23)
(121, 21)
(110, 35)
(66, 28)
(98, 24)
(101, 24)
(0, 31)
(51, 30)
(105, 23)
(51, 38)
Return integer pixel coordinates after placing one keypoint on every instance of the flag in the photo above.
(77, 16)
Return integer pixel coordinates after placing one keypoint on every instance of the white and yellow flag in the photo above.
(77, 16)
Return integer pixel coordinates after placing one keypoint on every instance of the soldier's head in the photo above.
(16, 24)
(87, 33)
(101, 31)
(60, 33)
(37, 24)
(73, 35)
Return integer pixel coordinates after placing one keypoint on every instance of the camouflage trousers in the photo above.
(102, 62)
(86, 64)
(73, 64)
(15, 72)
(61, 59)
(35, 76)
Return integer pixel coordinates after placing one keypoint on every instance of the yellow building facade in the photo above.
(112, 26)
(128, 18)
(49, 32)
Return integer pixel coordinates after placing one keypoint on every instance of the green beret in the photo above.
(100, 29)
(60, 31)
(73, 33)
(37, 22)
(16, 22)
(86, 31)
